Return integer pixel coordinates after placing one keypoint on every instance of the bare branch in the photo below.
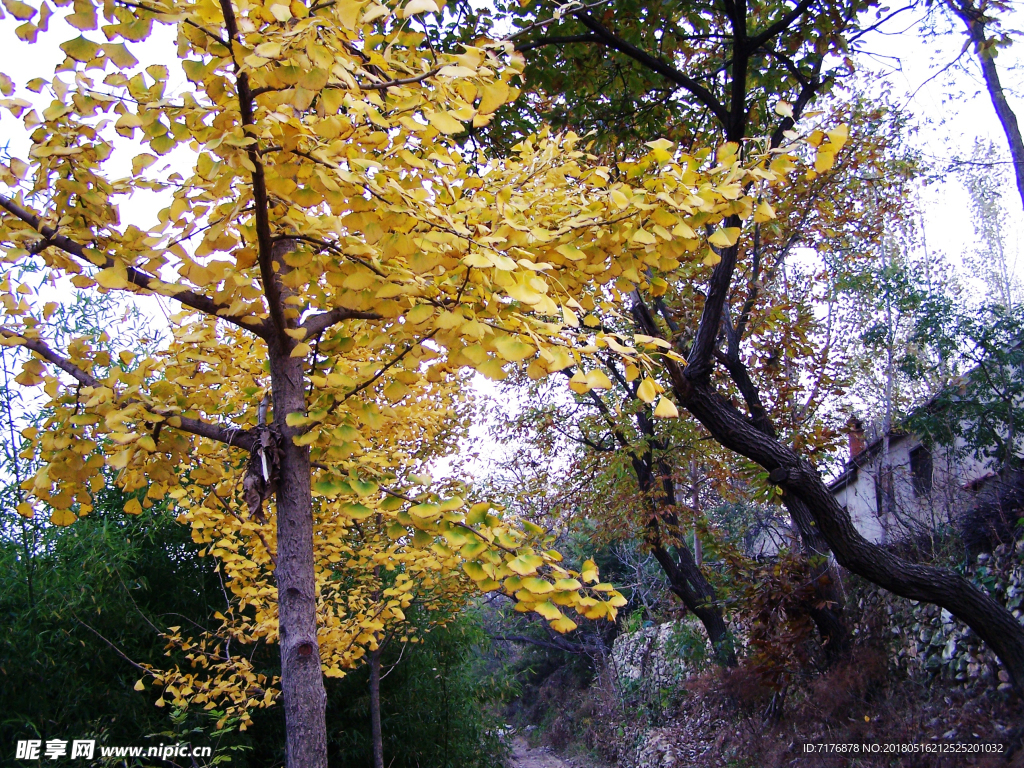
(316, 324)
(117, 650)
(540, 42)
(383, 86)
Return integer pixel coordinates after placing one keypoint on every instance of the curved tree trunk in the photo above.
(947, 589)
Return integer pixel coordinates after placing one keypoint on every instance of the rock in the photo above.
(949, 650)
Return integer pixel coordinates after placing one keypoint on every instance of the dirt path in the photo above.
(523, 756)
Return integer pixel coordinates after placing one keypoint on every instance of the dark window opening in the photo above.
(921, 471)
(885, 494)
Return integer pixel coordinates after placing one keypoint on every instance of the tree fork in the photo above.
(833, 631)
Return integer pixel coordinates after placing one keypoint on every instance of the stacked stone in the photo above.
(935, 643)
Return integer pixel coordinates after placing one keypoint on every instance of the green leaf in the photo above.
(526, 565)
(356, 511)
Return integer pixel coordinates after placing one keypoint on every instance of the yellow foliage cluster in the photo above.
(318, 189)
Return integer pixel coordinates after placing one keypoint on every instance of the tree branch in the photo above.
(239, 438)
(135, 276)
(320, 322)
(271, 288)
(540, 42)
(702, 94)
(779, 26)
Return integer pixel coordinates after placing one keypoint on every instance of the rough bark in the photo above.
(827, 615)
(947, 589)
(375, 731)
(302, 683)
(685, 577)
(689, 584)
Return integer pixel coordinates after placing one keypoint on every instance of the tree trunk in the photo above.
(689, 584)
(684, 575)
(375, 731)
(827, 618)
(947, 589)
(974, 20)
(302, 682)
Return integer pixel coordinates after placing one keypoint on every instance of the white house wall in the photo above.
(909, 514)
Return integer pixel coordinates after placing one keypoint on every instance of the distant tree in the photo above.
(994, 256)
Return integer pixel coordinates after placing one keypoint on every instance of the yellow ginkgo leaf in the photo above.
(526, 565)
(666, 409)
(512, 349)
(419, 6)
(111, 278)
(492, 96)
(647, 390)
(724, 237)
(63, 517)
(578, 383)
(443, 121)
(563, 625)
(643, 237)
(418, 314)
(823, 161)
(537, 586)
(548, 611)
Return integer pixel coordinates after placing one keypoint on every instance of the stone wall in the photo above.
(925, 642)
(930, 642)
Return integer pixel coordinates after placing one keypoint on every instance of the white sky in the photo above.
(951, 109)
